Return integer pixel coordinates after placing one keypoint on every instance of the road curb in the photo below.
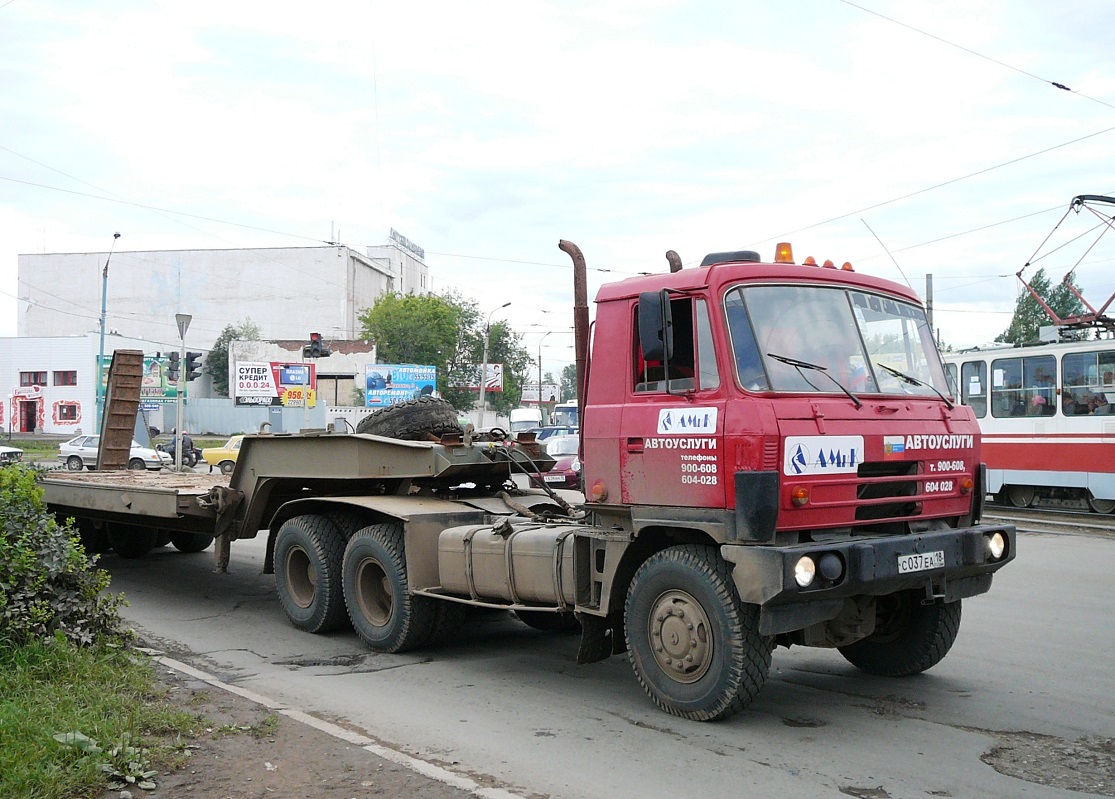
(417, 765)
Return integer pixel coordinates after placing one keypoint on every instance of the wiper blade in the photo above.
(913, 381)
(816, 368)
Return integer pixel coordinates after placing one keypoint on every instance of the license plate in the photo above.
(920, 562)
(554, 478)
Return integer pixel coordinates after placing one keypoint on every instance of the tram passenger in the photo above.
(1102, 408)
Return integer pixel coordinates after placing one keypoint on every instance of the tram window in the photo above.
(1023, 386)
(1088, 378)
(973, 387)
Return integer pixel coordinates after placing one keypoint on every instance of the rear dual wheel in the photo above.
(308, 554)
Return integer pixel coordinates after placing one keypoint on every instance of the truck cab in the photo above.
(781, 402)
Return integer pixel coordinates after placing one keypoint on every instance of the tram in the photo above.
(1047, 422)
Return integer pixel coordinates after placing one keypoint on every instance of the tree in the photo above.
(447, 331)
(569, 382)
(216, 362)
(1029, 316)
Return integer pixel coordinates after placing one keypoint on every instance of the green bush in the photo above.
(48, 586)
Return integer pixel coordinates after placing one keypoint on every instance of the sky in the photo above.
(908, 138)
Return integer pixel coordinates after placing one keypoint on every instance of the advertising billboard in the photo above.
(275, 383)
(388, 383)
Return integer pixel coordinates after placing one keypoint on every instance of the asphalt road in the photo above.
(508, 705)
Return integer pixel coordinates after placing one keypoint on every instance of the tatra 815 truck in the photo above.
(771, 456)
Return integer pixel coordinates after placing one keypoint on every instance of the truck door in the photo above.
(671, 442)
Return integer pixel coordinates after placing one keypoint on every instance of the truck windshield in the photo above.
(860, 339)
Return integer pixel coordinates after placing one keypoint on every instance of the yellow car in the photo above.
(224, 457)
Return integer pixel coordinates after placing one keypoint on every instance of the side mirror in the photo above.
(656, 326)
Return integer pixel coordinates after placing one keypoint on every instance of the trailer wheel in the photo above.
(162, 538)
(909, 636)
(695, 646)
(560, 622)
(190, 542)
(308, 555)
(413, 420)
(130, 541)
(93, 535)
(74, 464)
(383, 612)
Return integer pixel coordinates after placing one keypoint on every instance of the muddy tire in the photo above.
(131, 542)
(383, 612)
(562, 622)
(308, 556)
(694, 645)
(413, 420)
(909, 636)
(190, 542)
(449, 619)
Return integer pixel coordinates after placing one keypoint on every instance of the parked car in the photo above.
(555, 430)
(82, 451)
(223, 457)
(567, 466)
(10, 455)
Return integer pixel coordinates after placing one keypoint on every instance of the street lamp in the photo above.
(183, 321)
(101, 356)
(484, 368)
(541, 413)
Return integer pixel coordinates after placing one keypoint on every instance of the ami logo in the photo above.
(822, 454)
(686, 420)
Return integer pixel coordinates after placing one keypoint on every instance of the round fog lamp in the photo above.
(996, 545)
(804, 571)
(831, 567)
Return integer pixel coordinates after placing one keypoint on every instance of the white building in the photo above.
(49, 384)
(287, 292)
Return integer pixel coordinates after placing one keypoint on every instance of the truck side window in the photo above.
(708, 373)
(651, 375)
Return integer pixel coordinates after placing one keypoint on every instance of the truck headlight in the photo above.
(804, 571)
(996, 545)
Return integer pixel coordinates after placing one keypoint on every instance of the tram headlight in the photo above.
(804, 571)
(996, 546)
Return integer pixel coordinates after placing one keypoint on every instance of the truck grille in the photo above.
(894, 481)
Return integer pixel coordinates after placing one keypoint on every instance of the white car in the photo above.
(82, 451)
(10, 455)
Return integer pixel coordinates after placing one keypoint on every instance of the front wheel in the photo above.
(695, 646)
(308, 554)
(383, 611)
(910, 636)
(137, 465)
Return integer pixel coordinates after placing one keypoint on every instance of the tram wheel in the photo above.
(1101, 505)
(1020, 496)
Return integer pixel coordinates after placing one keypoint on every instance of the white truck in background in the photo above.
(525, 419)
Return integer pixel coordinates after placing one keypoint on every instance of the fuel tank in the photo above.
(527, 562)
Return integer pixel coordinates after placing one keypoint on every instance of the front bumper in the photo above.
(764, 575)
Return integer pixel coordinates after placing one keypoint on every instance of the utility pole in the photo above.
(183, 320)
(101, 355)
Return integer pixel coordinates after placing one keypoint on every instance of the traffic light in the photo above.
(316, 348)
(193, 365)
(172, 366)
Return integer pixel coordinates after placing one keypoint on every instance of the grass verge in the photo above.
(124, 729)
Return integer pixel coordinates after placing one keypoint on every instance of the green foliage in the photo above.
(48, 586)
(1029, 316)
(75, 719)
(447, 331)
(216, 362)
(569, 382)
